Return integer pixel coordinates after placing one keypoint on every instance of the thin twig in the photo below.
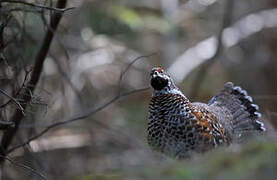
(87, 113)
(17, 93)
(14, 100)
(61, 10)
(30, 86)
(25, 167)
(77, 117)
(128, 67)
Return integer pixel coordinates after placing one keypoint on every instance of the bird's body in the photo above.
(178, 127)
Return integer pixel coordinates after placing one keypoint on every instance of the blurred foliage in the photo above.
(103, 23)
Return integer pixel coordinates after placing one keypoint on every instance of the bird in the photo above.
(178, 128)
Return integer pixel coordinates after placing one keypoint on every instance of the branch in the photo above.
(128, 67)
(30, 86)
(60, 10)
(226, 21)
(14, 100)
(24, 167)
(77, 117)
(90, 111)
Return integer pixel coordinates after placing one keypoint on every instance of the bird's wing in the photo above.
(208, 123)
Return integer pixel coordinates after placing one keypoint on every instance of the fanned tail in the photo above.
(245, 114)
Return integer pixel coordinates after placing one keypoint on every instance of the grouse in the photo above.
(178, 127)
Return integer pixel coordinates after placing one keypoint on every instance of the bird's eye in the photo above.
(160, 70)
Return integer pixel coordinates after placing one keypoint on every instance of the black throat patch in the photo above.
(159, 83)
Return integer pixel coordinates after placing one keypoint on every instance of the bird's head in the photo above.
(161, 80)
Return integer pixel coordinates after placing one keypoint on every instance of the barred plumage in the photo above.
(178, 127)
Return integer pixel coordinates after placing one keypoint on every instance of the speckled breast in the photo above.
(172, 128)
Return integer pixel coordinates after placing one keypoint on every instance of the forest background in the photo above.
(74, 84)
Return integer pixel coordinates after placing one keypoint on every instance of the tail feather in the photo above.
(238, 113)
(245, 114)
(252, 109)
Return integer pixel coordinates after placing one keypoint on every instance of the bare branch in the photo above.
(30, 86)
(14, 100)
(61, 10)
(87, 113)
(77, 117)
(24, 167)
(129, 65)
